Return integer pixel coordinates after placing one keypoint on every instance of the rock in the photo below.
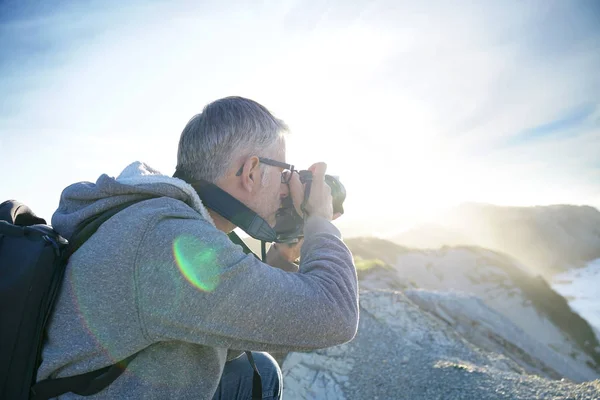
(490, 330)
(401, 351)
(568, 343)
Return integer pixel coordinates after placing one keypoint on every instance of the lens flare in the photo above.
(196, 264)
(196, 261)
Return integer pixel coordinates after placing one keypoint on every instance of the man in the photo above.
(162, 278)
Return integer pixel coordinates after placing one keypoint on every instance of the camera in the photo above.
(290, 225)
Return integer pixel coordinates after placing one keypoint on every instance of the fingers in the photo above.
(289, 251)
(297, 192)
(319, 202)
(297, 244)
(318, 170)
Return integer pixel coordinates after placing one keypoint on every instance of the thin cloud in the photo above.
(421, 93)
(562, 126)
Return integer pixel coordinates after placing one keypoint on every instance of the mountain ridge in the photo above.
(547, 239)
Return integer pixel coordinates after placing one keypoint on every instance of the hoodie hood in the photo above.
(84, 200)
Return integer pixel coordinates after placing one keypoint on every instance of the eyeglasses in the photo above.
(286, 174)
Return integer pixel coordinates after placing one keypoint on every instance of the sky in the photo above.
(416, 106)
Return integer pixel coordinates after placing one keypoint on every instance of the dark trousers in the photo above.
(236, 382)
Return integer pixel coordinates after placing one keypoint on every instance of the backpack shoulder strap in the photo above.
(94, 381)
(84, 385)
(88, 227)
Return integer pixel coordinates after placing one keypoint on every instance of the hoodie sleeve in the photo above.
(195, 285)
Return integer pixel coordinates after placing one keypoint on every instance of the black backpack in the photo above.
(33, 258)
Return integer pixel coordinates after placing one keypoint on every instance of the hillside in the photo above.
(548, 239)
(453, 323)
(569, 346)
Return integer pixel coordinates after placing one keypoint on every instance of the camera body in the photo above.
(290, 225)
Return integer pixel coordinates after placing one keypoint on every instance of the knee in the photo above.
(270, 373)
(237, 378)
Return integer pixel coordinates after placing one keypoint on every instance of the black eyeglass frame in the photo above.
(274, 163)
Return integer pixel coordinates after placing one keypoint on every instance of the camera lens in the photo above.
(338, 193)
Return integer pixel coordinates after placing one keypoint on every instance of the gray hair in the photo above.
(226, 130)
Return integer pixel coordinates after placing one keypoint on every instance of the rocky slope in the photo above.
(453, 323)
(551, 340)
(403, 351)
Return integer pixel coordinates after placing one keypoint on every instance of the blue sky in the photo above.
(416, 106)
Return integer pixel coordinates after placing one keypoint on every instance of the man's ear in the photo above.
(251, 173)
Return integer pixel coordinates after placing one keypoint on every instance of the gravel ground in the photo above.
(401, 352)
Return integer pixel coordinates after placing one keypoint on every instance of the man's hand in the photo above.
(289, 251)
(283, 255)
(320, 202)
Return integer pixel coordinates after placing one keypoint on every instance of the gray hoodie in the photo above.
(158, 278)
